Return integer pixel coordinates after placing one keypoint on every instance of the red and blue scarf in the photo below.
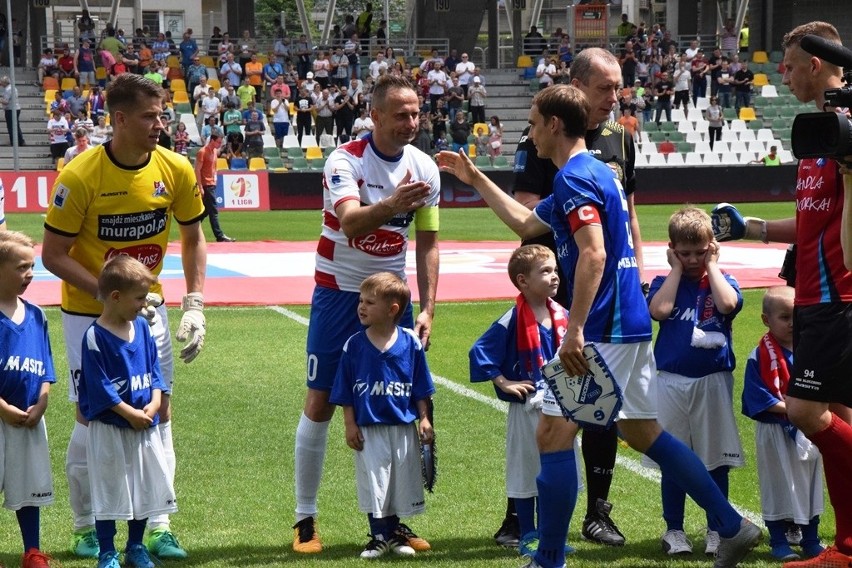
(529, 340)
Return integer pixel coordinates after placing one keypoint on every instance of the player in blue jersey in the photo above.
(695, 304)
(510, 355)
(589, 217)
(26, 372)
(373, 188)
(383, 384)
(120, 391)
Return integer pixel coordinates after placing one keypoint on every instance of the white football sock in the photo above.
(311, 441)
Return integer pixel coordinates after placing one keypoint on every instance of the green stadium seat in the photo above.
(275, 164)
(668, 126)
(730, 114)
(685, 147)
(501, 163)
(294, 152)
(299, 165)
(271, 152)
(317, 164)
(676, 137)
(483, 163)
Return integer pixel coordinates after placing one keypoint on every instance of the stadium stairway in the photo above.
(36, 154)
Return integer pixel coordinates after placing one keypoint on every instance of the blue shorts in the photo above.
(281, 129)
(334, 319)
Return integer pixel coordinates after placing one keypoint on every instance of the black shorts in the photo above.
(822, 353)
(58, 150)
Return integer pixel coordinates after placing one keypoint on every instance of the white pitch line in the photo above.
(627, 463)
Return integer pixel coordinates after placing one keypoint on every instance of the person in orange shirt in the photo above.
(254, 73)
(629, 122)
(146, 56)
(205, 173)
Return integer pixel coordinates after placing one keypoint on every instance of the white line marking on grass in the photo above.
(627, 463)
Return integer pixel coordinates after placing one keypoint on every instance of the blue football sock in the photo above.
(378, 526)
(135, 531)
(557, 494)
(777, 533)
(674, 503)
(391, 524)
(106, 535)
(683, 466)
(28, 521)
(526, 514)
(720, 478)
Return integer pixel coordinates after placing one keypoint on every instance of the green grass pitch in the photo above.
(236, 408)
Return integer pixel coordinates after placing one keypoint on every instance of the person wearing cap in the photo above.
(81, 144)
(476, 95)
(309, 82)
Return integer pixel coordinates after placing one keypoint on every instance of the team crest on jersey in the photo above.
(62, 192)
(160, 189)
(360, 388)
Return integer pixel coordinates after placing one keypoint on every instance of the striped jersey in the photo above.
(358, 171)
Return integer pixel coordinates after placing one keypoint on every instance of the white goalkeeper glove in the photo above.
(730, 225)
(149, 310)
(192, 326)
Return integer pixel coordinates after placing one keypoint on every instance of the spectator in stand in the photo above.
(630, 122)
(215, 40)
(200, 90)
(546, 73)
(111, 43)
(429, 63)
(681, 77)
(364, 23)
(339, 67)
(642, 68)
(232, 120)
(563, 50)
(131, 59)
(667, 42)
(770, 159)
(743, 80)
(83, 121)
(625, 28)
(231, 70)
(97, 102)
(303, 54)
(291, 78)
(66, 64)
(476, 98)
(563, 73)
(700, 69)
(86, 27)
(271, 71)
(352, 50)
(57, 128)
(282, 50)
(117, 69)
(304, 112)
(455, 98)
(464, 70)
(208, 106)
(495, 137)
(452, 60)
(439, 119)
(729, 38)
(225, 47)
(255, 127)
(58, 103)
(279, 86)
(692, 50)
(160, 48)
(344, 114)
(437, 83)
(377, 65)
(460, 131)
(84, 62)
(188, 50)
(279, 108)
(152, 73)
(736, 65)
(322, 69)
(382, 33)
(47, 66)
(7, 93)
(195, 74)
(101, 133)
(146, 55)
(324, 119)
(247, 47)
(628, 65)
(726, 83)
(423, 141)
(664, 91)
(363, 125)
(81, 144)
(211, 126)
(77, 102)
(534, 42)
(254, 76)
(246, 94)
(714, 66)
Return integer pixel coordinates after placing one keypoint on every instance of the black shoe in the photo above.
(509, 534)
(599, 528)
(225, 239)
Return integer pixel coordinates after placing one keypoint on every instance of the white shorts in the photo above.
(74, 327)
(522, 460)
(699, 412)
(128, 473)
(789, 487)
(387, 471)
(632, 365)
(25, 477)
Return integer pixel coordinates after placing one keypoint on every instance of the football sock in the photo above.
(526, 514)
(835, 444)
(77, 473)
(674, 503)
(510, 507)
(28, 521)
(810, 536)
(720, 478)
(777, 533)
(557, 493)
(311, 440)
(165, 428)
(391, 524)
(135, 531)
(106, 535)
(599, 449)
(378, 526)
(683, 466)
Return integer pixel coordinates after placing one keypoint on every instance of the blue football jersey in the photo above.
(26, 360)
(115, 371)
(383, 387)
(619, 313)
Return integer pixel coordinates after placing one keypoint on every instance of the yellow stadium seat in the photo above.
(214, 83)
(262, 58)
(221, 164)
(257, 164)
(760, 57)
(207, 61)
(177, 85)
(471, 151)
(747, 113)
(313, 153)
(524, 61)
(49, 95)
(479, 126)
(172, 61)
(60, 163)
(760, 79)
(68, 83)
(100, 73)
(181, 97)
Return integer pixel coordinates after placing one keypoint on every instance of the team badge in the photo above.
(62, 193)
(160, 189)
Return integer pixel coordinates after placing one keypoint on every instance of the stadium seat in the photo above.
(501, 163)
(221, 164)
(181, 97)
(100, 74)
(760, 79)
(50, 83)
(313, 153)
(484, 163)
(257, 164)
(676, 137)
(68, 83)
(729, 113)
(326, 152)
(295, 152)
(711, 159)
(693, 159)
(675, 159)
(760, 57)
(276, 165)
(49, 96)
(214, 83)
(271, 152)
(316, 164)
(694, 137)
(669, 126)
(640, 161)
(299, 165)
(207, 61)
(656, 160)
(678, 114)
(650, 126)
(786, 156)
(172, 61)
(471, 151)
(684, 147)
(747, 113)
(768, 91)
(191, 152)
(175, 73)
(776, 56)
(177, 85)
(239, 164)
(524, 61)
(60, 163)
(747, 135)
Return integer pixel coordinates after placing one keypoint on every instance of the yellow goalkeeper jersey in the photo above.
(112, 209)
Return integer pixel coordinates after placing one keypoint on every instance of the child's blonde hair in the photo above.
(524, 258)
(123, 272)
(11, 239)
(774, 295)
(390, 288)
(690, 225)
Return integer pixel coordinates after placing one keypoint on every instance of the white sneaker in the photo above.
(675, 542)
(711, 542)
(375, 548)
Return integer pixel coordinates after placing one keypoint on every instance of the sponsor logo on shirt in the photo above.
(148, 254)
(379, 243)
(127, 227)
(62, 193)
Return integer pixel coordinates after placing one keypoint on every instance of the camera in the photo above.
(826, 134)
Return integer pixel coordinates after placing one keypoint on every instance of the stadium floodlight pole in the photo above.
(13, 101)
